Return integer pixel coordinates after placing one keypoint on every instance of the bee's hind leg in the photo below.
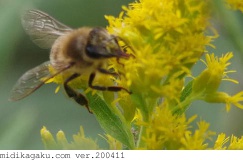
(78, 97)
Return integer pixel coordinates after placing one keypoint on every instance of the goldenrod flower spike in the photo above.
(165, 39)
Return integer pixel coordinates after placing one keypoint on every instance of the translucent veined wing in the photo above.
(32, 80)
(42, 28)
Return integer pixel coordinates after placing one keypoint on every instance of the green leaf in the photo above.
(113, 123)
(186, 91)
(185, 99)
(141, 103)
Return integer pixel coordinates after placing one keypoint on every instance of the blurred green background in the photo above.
(20, 122)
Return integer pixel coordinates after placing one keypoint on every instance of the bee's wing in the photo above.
(42, 28)
(30, 81)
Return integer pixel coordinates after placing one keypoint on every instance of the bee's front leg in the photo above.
(104, 71)
(104, 88)
(78, 97)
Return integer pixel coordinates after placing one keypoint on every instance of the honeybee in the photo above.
(80, 51)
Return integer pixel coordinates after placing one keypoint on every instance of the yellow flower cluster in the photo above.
(168, 131)
(236, 4)
(235, 143)
(79, 141)
(206, 85)
(165, 39)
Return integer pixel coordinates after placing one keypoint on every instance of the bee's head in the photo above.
(101, 44)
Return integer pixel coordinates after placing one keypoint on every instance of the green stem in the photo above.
(184, 105)
(140, 143)
(144, 109)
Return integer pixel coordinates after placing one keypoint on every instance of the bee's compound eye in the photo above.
(93, 52)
